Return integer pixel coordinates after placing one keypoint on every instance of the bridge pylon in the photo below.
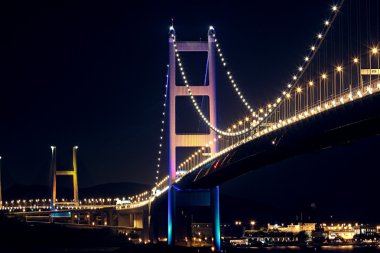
(175, 195)
(55, 173)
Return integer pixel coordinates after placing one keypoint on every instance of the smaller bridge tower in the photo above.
(55, 173)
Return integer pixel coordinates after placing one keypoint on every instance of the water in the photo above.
(298, 249)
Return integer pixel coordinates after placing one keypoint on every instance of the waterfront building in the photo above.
(293, 228)
(340, 231)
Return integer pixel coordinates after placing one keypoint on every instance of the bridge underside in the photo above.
(330, 128)
(135, 220)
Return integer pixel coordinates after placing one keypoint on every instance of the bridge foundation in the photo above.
(188, 205)
(136, 219)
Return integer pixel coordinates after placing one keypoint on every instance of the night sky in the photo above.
(92, 74)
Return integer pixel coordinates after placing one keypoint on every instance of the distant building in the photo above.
(348, 231)
(289, 234)
(340, 231)
(293, 228)
(239, 242)
(368, 230)
(263, 237)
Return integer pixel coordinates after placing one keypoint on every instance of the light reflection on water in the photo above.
(341, 248)
(326, 249)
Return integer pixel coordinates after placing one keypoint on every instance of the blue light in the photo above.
(170, 216)
(217, 219)
(177, 188)
(64, 214)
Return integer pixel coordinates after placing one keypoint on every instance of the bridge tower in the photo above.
(55, 173)
(191, 139)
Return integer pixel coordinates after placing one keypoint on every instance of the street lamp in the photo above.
(296, 100)
(252, 223)
(324, 77)
(339, 71)
(374, 51)
(357, 63)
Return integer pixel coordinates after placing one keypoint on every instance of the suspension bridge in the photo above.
(333, 97)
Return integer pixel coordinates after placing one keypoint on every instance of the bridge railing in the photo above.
(346, 95)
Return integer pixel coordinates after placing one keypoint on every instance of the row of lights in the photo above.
(46, 207)
(234, 84)
(295, 78)
(338, 69)
(327, 105)
(240, 94)
(164, 180)
(229, 132)
(257, 116)
(140, 195)
(282, 123)
(160, 145)
(198, 152)
(290, 120)
(86, 200)
(22, 204)
(307, 59)
(159, 183)
(184, 78)
(238, 223)
(232, 81)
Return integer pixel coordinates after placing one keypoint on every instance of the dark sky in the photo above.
(92, 74)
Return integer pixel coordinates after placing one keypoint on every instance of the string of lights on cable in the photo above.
(197, 107)
(320, 37)
(262, 114)
(162, 130)
(232, 81)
